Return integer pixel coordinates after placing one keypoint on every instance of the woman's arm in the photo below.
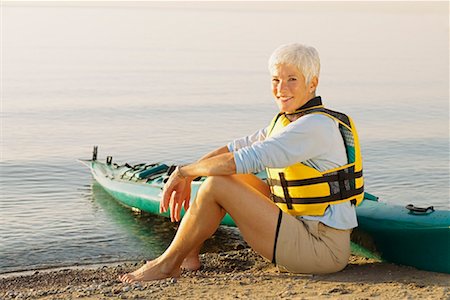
(177, 190)
(249, 140)
(219, 164)
(213, 153)
(216, 162)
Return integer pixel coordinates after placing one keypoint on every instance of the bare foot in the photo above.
(152, 270)
(191, 263)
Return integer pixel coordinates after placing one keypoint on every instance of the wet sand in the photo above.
(232, 275)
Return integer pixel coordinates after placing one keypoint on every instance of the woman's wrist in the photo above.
(179, 173)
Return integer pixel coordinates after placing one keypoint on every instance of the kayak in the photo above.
(418, 237)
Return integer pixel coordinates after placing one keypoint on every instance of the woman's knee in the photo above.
(213, 185)
(253, 181)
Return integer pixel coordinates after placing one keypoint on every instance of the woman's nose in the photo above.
(282, 86)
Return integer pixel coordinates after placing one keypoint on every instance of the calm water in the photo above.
(168, 82)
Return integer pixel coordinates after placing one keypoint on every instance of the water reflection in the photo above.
(154, 233)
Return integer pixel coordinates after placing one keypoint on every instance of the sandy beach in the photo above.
(232, 275)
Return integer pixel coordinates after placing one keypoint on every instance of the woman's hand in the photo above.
(176, 194)
(177, 190)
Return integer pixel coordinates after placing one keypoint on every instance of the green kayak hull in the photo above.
(387, 232)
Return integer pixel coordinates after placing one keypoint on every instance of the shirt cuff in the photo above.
(230, 147)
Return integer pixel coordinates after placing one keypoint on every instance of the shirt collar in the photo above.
(316, 101)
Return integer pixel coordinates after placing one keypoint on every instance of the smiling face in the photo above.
(290, 89)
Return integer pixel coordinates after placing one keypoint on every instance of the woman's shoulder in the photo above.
(314, 122)
(316, 117)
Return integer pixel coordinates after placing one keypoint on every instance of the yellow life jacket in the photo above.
(301, 190)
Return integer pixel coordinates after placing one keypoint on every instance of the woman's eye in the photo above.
(292, 79)
(275, 80)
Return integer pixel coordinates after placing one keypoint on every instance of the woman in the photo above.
(302, 217)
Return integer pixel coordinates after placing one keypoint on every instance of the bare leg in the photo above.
(192, 261)
(253, 213)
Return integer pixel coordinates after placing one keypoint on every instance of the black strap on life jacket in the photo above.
(341, 176)
(287, 197)
(317, 200)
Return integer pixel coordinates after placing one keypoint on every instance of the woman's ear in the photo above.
(313, 84)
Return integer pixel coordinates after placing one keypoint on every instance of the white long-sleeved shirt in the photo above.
(314, 140)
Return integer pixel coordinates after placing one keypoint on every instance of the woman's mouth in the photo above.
(284, 99)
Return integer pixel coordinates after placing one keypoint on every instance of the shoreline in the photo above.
(230, 274)
(49, 269)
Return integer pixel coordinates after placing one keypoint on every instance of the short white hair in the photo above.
(305, 58)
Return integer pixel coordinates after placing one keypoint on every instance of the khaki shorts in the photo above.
(310, 247)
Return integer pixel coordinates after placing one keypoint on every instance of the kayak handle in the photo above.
(420, 210)
(94, 153)
(370, 197)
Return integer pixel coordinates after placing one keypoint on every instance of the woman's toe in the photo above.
(125, 278)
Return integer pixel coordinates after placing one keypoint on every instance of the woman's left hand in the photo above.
(176, 194)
